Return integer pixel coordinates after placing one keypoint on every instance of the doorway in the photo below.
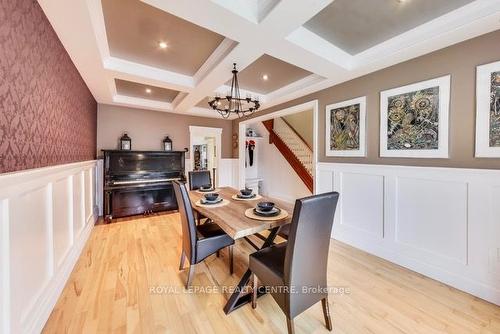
(205, 150)
(243, 127)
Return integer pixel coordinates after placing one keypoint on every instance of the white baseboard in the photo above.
(46, 216)
(440, 222)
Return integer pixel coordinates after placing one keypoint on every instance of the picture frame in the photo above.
(488, 110)
(342, 137)
(414, 120)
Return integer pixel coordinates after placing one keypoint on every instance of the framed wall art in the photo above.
(414, 120)
(346, 128)
(488, 111)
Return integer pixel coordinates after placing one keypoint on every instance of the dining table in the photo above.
(232, 219)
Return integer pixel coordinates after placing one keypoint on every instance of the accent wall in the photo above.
(47, 114)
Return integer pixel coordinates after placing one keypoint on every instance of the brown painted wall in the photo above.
(47, 113)
(148, 128)
(459, 60)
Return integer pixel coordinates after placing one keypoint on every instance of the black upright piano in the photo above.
(140, 182)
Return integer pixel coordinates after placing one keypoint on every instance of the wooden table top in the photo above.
(231, 218)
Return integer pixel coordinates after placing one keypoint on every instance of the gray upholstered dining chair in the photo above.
(198, 242)
(197, 179)
(301, 262)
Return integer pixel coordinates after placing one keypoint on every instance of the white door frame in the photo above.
(206, 132)
(279, 113)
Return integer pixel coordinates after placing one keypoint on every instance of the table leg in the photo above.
(238, 298)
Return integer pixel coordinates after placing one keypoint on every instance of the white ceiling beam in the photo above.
(219, 75)
(253, 39)
(207, 14)
(127, 70)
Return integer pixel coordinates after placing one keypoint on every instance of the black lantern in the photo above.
(125, 143)
(167, 144)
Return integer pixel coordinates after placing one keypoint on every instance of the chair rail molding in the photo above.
(440, 222)
(46, 216)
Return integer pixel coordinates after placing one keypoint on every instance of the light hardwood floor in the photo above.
(127, 281)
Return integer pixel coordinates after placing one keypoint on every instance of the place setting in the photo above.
(211, 200)
(207, 188)
(246, 194)
(266, 211)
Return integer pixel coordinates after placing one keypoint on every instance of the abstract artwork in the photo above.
(414, 120)
(494, 130)
(488, 111)
(345, 128)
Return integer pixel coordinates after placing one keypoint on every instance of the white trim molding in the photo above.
(483, 110)
(46, 216)
(440, 222)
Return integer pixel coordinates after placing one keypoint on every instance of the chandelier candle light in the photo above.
(232, 103)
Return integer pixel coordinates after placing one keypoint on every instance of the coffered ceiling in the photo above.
(357, 25)
(135, 29)
(183, 51)
(267, 74)
(134, 89)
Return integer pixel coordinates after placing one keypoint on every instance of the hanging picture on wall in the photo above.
(414, 120)
(488, 111)
(345, 128)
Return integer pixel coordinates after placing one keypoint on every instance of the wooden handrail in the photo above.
(295, 131)
(289, 156)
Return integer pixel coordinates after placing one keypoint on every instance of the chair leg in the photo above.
(190, 276)
(230, 259)
(289, 324)
(183, 258)
(255, 288)
(326, 313)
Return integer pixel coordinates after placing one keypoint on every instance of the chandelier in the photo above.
(232, 103)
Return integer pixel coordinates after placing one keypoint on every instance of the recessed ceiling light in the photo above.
(148, 90)
(265, 77)
(162, 45)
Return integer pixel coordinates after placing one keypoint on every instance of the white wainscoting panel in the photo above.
(99, 174)
(227, 176)
(369, 190)
(228, 172)
(430, 212)
(46, 216)
(441, 222)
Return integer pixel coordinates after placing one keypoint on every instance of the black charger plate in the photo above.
(271, 213)
(205, 202)
(246, 197)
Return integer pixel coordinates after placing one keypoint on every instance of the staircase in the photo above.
(293, 148)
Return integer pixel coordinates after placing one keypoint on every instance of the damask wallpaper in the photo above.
(47, 114)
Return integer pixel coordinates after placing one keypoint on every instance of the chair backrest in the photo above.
(307, 251)
(197, 179)
(187, 220)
